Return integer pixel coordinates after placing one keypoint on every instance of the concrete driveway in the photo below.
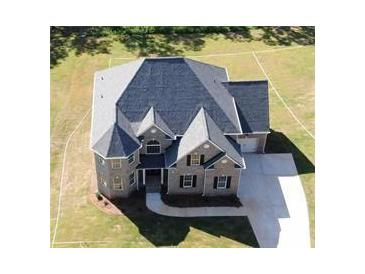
(271, 190)
(273, 199)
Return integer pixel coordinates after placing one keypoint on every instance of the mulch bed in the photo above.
(200, 201)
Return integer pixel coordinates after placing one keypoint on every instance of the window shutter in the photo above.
(188, 160)
(201, 159)
(181, 181)
(228, 181)
(194, 181)
(215, 182)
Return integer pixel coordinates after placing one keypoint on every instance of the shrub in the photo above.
(98, 196)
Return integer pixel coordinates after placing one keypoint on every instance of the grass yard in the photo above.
(292, 73)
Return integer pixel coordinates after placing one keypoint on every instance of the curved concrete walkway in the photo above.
(155, 204)
(273, 199)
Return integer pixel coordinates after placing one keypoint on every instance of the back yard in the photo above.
(287, 59)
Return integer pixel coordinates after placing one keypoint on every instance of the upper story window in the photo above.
(131, 159)
(153, 147)
(116, 163)
(117, 183)
(194, 159)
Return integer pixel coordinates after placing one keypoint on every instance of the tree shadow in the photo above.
(171, 231)
(165, 41)
(277, 142)
(90, 40)
(286, 36)
(144, 44)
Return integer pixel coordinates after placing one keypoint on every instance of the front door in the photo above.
(153, 180)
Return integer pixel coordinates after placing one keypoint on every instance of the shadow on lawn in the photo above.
(171, 231)
(286, 36)
(165, 41)
(277, 142)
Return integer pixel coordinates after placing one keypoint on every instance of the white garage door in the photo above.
(249, 144)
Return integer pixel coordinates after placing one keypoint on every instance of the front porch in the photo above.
(151, 172)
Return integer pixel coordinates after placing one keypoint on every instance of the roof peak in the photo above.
(152, 118)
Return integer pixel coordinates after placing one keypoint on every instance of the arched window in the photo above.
(153, 147)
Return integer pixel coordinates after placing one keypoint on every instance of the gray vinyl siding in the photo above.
(158, 136)
(182, 169)
(220, 169)
(109, 174)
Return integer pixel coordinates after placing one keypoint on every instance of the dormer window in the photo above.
(153, 147)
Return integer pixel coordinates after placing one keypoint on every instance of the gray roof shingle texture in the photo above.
(177, 88)
(169, 93)
(152, 161)
(116, 142)
(252, 104)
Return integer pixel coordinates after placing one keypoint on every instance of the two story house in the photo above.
(175, 122)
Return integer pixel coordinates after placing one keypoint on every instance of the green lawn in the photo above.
(292, 72)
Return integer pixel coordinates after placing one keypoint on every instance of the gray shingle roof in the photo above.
(108, 87)
(153, 118)
(152, 161)
(177, 88)
(170, 93)
(116, 142)
(214, 159)
(201, 130)
(252, 102)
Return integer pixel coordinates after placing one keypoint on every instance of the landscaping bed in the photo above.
(200, 201)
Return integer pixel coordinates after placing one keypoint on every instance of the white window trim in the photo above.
(225, 182)
(197, 163)
(134, 158)
(134, 178)
(119, 163)
(153, 145)
(191, 181)
(121, 184)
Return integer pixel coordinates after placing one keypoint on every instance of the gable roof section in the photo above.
(201, 130)
(109, 85)
(177, 88)
(252, 102)
(116, 142)
(218, 138)
(152, 118)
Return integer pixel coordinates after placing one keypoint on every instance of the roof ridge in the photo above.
(142, 60)
(224, 92)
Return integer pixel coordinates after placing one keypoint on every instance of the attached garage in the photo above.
(249, 144)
